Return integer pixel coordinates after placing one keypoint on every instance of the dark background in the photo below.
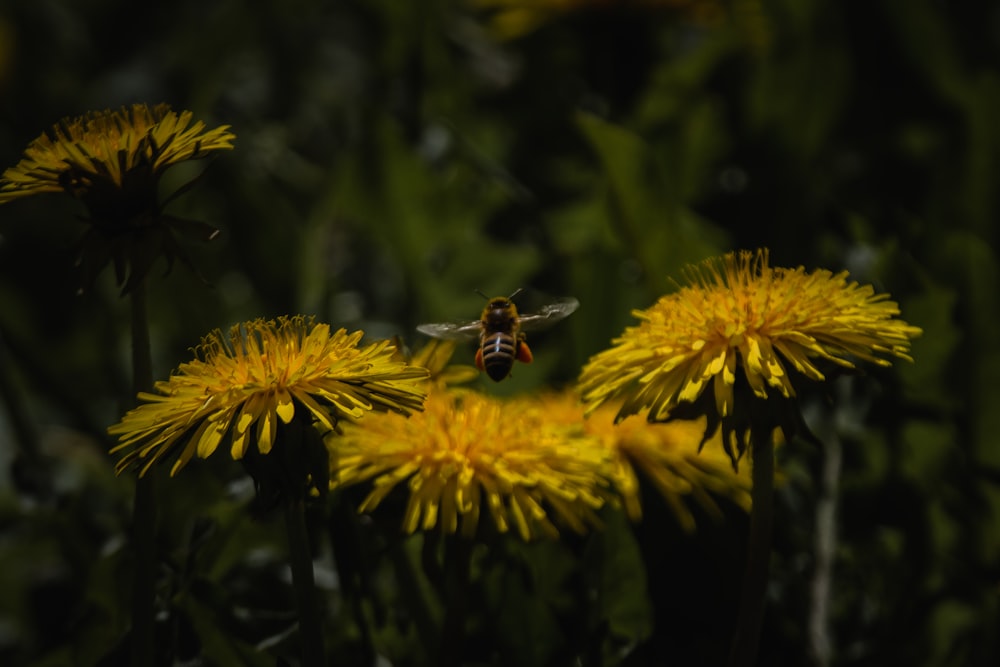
(392, 157)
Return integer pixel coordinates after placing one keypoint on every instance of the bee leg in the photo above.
(479, 360)
(524, 353)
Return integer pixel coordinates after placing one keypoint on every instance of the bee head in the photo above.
(500, 301)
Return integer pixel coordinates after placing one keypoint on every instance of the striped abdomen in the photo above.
(498, 352)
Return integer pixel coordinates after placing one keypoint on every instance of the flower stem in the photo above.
(415, 590)
(458, 573)
(820, 643)
(748, 624)
(29, 469)
(347, 544)
(144, 508)
(310, 630)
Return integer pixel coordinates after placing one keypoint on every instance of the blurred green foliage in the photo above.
(393, 157)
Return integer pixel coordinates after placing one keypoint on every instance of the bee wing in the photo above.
(549, 314)
(460, 330)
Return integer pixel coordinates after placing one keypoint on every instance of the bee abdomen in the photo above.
(498, 355)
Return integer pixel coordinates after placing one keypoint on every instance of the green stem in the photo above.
(24, 430)
(820, 642)
(144, 509)
(458, 573)
(30, 470)
(346, 542)
(414, 589)
(310, 628)
(751, 613)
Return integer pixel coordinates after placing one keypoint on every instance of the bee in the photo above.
(501, 331)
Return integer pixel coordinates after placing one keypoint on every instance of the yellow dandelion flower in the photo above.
(466, 455)
(669, 455)
(112, 161)
(741, 319)
(244, 386)
(108, 149)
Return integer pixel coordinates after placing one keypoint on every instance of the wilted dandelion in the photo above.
(112, 161)
(467, 455)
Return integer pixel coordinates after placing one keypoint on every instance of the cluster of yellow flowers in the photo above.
(532, 465)
(739, 327)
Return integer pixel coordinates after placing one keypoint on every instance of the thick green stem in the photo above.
(144, 509)
(300, 555)
(748, 624)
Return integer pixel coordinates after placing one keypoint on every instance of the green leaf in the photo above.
(932, 351)
(615, 572)
(431, 224)
(644, 207)
(526, 594)
(108, 607)
(218, 647)
(974, 264)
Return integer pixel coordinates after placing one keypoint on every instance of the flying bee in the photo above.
(501, 331)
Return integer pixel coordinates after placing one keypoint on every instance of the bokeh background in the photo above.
(393, 157)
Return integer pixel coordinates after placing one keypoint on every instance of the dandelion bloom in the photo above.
(667, 455)
(739, 317)
(467, 454)
(110, 149)
(112, 161)
(243, 386)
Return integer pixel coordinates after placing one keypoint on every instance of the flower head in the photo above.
(469, 454)
(741, 322)
(110, 149)
(262, 377)
(112, 161)
(670, 456)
